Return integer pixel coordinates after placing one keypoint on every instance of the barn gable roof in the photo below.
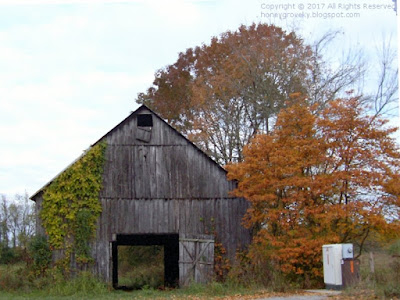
(121, 124)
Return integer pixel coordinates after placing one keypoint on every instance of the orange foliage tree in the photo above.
(331, 177)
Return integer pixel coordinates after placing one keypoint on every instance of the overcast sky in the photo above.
(70, 70)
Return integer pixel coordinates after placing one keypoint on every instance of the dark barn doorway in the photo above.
(170, 243)
(141, 267)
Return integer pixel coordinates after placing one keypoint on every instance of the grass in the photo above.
(17, 283)
(80, 290)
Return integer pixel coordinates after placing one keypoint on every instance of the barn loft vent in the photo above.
(144, 127)
(145, 120)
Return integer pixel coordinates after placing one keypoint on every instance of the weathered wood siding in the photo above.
(165, 185)
(167, 167)
(222, 216)
(196, 263)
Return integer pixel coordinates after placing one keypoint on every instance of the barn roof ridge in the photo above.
(127, 119)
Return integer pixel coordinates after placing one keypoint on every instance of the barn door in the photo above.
(196, 259)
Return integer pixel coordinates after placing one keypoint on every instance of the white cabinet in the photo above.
(333, 256)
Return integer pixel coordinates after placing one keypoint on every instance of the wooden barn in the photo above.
(160, 189)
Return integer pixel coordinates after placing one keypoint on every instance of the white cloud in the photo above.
(175, 12)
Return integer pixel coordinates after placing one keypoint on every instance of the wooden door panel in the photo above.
(196, 259)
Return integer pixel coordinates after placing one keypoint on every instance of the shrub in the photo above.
(7, 254)
(12, 278)
(257, 272)
(151, 276)
(391, 284)
(141, 266)
(40, 253)
(394, 249)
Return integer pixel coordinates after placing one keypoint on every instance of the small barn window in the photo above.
(145, 120)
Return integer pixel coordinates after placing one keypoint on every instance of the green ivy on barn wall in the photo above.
(71, 207)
